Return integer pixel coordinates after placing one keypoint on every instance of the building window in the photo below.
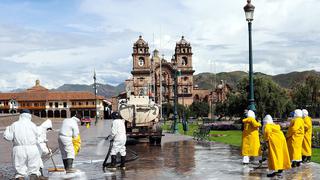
(141, 50)
(50, 104)
(80, 103)
(65, 104)
(56, 104)
(141, 61)
(36, 104)
(92, 102)
(185, 90)
(184, 61)
(87, 103)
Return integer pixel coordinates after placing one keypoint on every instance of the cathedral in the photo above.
(147, 79)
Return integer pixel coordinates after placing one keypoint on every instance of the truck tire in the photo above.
(158, 141)
(151, 140)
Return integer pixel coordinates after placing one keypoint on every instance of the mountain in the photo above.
(206, 80)
(290, 79)
(105, 90)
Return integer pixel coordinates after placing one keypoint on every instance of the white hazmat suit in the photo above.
(42, 140)
(118, 132)
(69, 130)
(23, 133)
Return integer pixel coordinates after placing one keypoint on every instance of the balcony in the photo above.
(32, 107)
(90, 106)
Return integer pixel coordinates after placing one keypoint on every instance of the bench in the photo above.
(202, 133)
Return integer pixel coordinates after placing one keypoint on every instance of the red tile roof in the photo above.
(40, 93)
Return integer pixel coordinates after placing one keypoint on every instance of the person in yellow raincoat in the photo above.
(306, 143)
(278, 155)
(295, 136)
(250, 137)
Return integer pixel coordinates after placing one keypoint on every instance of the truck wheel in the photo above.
(151, 141)
(158, 141)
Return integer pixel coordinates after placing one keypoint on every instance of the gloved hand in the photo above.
(50, 151)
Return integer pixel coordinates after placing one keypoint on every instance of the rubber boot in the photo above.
(33, 177)
(294, 164)
(308, 159)
(279, 172)
(41, 171)
(69, 166)
(271, 174)
(304, 159)
(298, 163)
(20, 178)
(123, 161)
(65, 164)
(113, 162)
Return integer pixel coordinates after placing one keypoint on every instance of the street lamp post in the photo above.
(175, 101)
(95, 97)
(249, 9)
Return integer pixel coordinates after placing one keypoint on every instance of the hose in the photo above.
(105, 164)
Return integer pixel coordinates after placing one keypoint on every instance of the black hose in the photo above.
(105, 164)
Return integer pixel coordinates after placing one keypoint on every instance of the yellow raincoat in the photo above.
(76, 141)
(306, 143)
(278, 155)
(250, 137)
(295, 136)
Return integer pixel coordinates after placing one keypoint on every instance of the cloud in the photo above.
(63, 42)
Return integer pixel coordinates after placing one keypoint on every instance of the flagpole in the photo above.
(95, 96)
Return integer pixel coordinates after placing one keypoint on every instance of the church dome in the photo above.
(140, 41)
(182, 41)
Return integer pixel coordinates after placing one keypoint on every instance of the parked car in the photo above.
(85, 120)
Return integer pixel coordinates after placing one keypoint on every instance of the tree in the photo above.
(200, 109)
(270, 98)
(306, 95)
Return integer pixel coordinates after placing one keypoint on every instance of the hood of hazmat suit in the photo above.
(250, 136)
(278, 155)
(24, 135)
(295, 136)
(307, 139)
(304, 113)
(250, 113)
(297, 113)
(266, 120)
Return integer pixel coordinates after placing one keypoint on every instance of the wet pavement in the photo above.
(179, 157)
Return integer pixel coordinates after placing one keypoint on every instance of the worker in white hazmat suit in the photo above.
(119, 137)
(68, 131)
(42, 140)
(23, 133)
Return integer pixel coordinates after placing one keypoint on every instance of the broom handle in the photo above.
(54, 164)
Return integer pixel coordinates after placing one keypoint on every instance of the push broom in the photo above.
(55, 169)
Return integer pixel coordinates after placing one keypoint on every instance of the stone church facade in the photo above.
(146, 73)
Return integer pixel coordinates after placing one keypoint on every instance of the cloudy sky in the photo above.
(63, 41)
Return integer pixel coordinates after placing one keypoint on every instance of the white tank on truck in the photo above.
(142, 118)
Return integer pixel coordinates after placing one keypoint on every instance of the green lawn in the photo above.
(228, 137)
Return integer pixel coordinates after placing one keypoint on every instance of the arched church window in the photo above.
(141, 50)
(183, 50)
(184, 61)
(141, 61)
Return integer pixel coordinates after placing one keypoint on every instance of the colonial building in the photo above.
(146, 73)
(52, 104)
